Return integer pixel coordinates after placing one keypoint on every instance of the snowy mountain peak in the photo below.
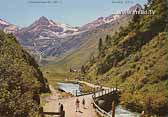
(2, 22)
(43, 18)
(41, 21)
(100, 21)
(7, 27)
(46, 28)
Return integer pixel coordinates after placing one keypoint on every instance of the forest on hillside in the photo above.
(135, 59)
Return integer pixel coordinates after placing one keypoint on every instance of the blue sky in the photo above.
(73, 12)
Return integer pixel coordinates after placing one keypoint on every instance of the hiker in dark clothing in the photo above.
(61, 110)
(83, 102)
(61, 107)
(77, 105)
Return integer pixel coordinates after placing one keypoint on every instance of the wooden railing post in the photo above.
(62, 113)
(113, 109)
(41, 111)
(76, 92)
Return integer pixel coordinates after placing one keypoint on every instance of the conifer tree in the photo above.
(100, 46)
(149, 1)
(136, 16)
(83, 69)
(166, 29)
(108, 40)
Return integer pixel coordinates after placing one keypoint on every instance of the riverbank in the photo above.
(54, 95)
(84, 87)
(52, 100)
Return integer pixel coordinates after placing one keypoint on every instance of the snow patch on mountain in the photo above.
(100, 21)
(2, 22)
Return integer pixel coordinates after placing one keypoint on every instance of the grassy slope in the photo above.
(59, 69)
(20, 78)
(55, 74)
(89, 48)
(82, 54)
(138, 63)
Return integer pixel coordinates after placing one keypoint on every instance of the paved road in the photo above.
(69, 105)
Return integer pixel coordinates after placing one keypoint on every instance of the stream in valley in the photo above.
(72, 88)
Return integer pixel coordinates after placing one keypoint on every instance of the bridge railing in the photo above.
(99, 110)
(79, 93)
(82, 94)
(103, 92)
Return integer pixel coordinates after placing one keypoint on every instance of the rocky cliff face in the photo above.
(54, 39)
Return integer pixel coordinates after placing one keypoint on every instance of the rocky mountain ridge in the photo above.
(45, 37)
(7, 27)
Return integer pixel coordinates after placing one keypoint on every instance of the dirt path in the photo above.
(69, 105)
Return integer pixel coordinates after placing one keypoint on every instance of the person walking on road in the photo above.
(83, 102)
(77, 105)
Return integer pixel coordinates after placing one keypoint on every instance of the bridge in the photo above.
(104, 102)
(92, 106)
